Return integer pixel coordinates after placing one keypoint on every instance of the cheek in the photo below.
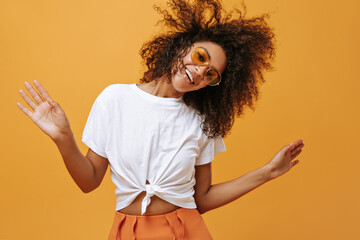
(202, 84)
(187, 59)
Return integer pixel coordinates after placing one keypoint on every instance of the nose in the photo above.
(201, 70)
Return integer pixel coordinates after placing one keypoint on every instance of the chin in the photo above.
(182, 85)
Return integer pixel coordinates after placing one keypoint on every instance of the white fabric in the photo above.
(148, 138)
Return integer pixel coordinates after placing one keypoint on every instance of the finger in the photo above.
(296, 144)
(53, 104)
(28, 100)
(293, 155)
(33, 93)
(294, 162)
(25, 110)
(43, 93)
(298, 147)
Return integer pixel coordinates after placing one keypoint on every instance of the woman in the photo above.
(160, 137)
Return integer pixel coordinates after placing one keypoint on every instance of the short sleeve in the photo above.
(209, 149)
(95, 131)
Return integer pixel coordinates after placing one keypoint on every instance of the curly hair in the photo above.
(249, 45)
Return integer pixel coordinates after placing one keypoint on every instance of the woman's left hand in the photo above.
(282, 162)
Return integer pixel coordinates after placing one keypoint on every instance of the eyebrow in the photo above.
(207, 52)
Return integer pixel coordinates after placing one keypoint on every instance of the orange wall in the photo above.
(77, 48)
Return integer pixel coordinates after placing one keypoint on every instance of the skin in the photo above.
(180, 83)
(89, 170)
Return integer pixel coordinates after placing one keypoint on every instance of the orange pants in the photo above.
(180, 224)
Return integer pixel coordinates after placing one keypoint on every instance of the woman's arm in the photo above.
(209, 196)
(87, 171)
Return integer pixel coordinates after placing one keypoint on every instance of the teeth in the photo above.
(189, 75)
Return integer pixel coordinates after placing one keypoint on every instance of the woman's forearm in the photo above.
(80, 168)
(220, 194)
(226, 192)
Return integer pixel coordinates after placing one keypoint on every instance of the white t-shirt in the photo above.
(146, 137)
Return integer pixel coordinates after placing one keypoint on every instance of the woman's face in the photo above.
(183, 82)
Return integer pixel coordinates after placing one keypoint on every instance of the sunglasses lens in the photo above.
(199, 56)
(212, 77)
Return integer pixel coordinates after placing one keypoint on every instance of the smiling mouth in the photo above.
(188, 73)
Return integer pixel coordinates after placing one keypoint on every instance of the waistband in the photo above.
(179, 210)
(171, 224)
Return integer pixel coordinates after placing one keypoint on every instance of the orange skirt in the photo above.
(180, 224)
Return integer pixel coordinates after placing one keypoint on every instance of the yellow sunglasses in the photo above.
(199, 56)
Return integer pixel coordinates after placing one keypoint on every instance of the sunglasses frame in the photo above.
(206, 64)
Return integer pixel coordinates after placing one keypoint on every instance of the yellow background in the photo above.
(77, 48)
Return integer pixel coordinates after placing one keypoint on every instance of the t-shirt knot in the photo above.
(150, 191)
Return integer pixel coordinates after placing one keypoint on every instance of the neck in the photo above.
(160, 88)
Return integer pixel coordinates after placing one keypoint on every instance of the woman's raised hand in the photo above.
(47, 114)
(283, 160)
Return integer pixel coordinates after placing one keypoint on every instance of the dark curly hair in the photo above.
(249, 44)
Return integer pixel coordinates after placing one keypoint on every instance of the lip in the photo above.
(187, 73)
(187, 80)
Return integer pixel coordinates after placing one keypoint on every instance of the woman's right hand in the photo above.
(47, 115)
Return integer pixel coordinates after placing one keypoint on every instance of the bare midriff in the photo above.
(157, 206)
